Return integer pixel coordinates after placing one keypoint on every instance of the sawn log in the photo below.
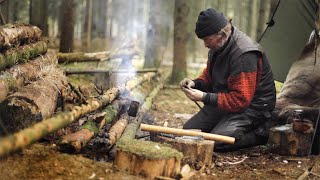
(22, 54)
(34, 102)
(15, 77)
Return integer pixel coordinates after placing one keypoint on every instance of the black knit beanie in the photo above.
(210, 22)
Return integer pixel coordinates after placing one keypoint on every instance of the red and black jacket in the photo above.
(238, 77)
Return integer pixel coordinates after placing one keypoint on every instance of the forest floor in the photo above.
(44, 161)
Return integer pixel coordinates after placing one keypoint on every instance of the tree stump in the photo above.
(195, 152)
(148, 159)
(289, 142)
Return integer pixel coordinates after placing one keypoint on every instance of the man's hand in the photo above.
(193, 94)
(187, 83)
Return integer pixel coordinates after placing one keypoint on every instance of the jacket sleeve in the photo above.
(242, 82)
(203, 81)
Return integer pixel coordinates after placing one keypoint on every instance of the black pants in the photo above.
(248, 127)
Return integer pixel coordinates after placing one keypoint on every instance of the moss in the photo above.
(148, 149)
(91, 126)
(111, 113)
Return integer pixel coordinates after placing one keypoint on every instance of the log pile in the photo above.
(32, 134)
(30, 82)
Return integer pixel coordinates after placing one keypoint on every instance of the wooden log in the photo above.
(33, 103)
(22, 54)
(183, 132)
(29, 135)
(76, 141)
(286, 141)
(97, 71)
(137, 156)
(16, 34)
(76, 57)
(148, 159)
(15, 77)
(195, 152)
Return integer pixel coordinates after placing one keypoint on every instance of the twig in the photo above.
(237, 162)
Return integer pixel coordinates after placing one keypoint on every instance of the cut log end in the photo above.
(195, 152)
(137, 157)
(14, 113)
(286, 141)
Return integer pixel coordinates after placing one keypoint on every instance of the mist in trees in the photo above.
(163, 30)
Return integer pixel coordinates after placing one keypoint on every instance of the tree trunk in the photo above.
(88, 24)
(253, 19)
(22, 54)
(179, 69)
(263, 16)
(17, 34)
(67, 28)
(39, 15)
(18, 75)
(34, 102)
(28, 136)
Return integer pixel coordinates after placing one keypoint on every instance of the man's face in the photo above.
(214, 41)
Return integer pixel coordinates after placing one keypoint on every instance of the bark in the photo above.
(28, 136)
(39, 14)
(14, 78)
(286, 141)
(22, 54)
(134, 125)
(135, 161)
(67, 26)
(34, 102)
(83, 57)
(95, 71)
(179, 69)
(76, 141)
(15, 34)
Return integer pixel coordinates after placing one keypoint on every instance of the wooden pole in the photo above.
(183, 132)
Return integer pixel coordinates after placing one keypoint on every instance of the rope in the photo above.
(271, 22)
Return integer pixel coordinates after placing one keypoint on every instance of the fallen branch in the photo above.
(28, 136)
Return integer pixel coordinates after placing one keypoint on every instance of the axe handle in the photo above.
(183, 132)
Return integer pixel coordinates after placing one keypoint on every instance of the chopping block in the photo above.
(196, 150)
(289, 140)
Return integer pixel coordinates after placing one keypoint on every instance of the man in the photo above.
(236, 87)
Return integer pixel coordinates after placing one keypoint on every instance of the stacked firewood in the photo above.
(30, 82)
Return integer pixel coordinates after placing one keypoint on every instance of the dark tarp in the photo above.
(285, 40)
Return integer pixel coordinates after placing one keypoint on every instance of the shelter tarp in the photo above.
(285, 40)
